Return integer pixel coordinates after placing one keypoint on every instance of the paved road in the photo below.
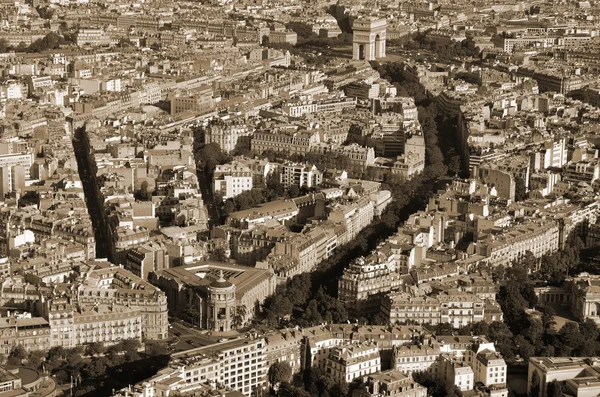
(204, 180)
(187, 335)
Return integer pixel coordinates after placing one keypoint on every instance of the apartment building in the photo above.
(355, 216)
(241, 363)
(260, 168)
(301, 175)
(391, 383)
(299, 142)
(298, 108)
(287, 36)
(460, 308)
(537, 237)
(301, 252)
(415, 358)
(490, 369)
(108, 325)
(279, 210)
(582, 171)
(357, 155)
(93, 37)
(197, 102)
(149, 257)
(230, 180)
(408, 165)
(114, 286)
(249, 246)
(364, 283)
(403, 308)
(551, 154)
(284, 346)
(225, 133)
(348, 362)
(194, 374)
(227, 369)
(24, 160)
(455, 372)
(32, 333)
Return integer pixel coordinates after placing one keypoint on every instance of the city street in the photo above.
(189, 337)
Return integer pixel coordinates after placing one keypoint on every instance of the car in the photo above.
(222, 340)
(189, 341)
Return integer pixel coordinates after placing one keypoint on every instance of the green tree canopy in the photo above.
(280, 372)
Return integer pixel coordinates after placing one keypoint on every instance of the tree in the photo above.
(211, 155)
(45, 12)
(435, 386)
(554, 389)
(36, 358)
(500, 334)
(143, 194)
(61, 376)
(443, 329)
(570, 336)
(534, 389)
(498, 274)
(50, 42)
(113, 354)
(454, 165)
(95, 368)
(4, 46)
(525, 348)
(279, 372)
(275, 188)
(130, 345)
(548, 314)
(73, 358)
(84, 390)
(156, 349)
(299, 289)
(294, 191)
(219, 255)
(277, 306)
(324, 308)
(287, 390)
(520, 189)
(239, 316)
(55, 357)
(17, 355)
(124, 42)
(94, 349)
(339, 390)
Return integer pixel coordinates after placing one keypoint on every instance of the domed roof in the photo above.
(220, 282)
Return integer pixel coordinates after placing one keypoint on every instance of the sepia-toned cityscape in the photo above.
(301, 198)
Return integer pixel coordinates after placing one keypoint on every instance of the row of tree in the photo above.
(51, 41)
(440, 130)
(93, 368)
(312, 300)
(445, 53)
(526, 332)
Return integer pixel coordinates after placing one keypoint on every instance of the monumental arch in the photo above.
(368, 41)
